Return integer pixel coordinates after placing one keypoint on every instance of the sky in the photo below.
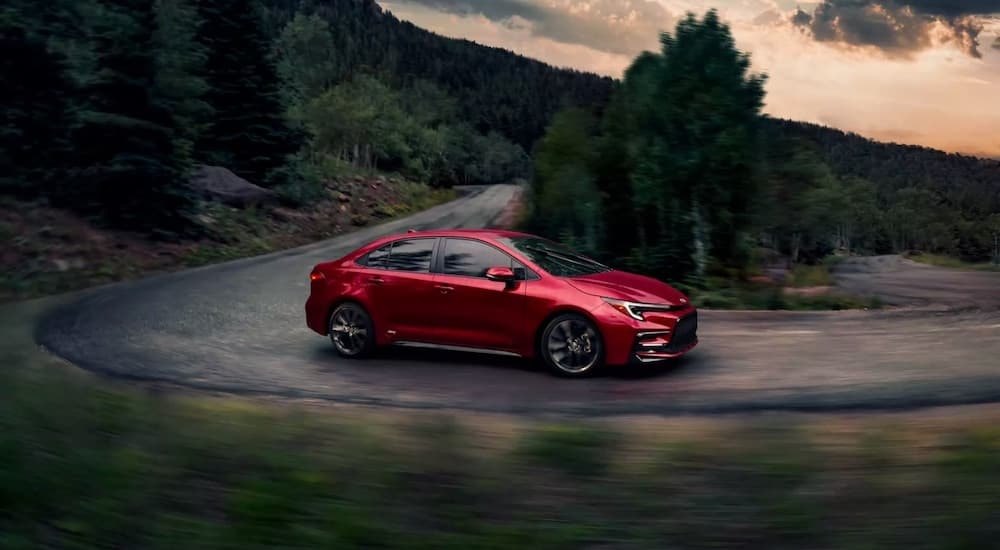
(925, 72)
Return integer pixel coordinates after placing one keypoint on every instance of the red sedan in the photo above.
(499, 291)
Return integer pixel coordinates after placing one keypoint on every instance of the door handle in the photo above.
(445, 289)
(376, 280)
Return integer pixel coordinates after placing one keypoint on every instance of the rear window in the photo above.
(412, 255)
(376, 258)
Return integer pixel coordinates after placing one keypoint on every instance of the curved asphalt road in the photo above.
(239, 327)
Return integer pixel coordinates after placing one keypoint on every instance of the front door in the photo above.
(470, 309)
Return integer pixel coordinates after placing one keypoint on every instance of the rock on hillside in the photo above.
(218, 184)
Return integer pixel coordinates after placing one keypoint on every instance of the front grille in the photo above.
(685, 334)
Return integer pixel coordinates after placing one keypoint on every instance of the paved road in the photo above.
(239, 327)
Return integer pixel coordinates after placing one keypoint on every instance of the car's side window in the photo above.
(472, 258)
(412, 255)
(378, 258)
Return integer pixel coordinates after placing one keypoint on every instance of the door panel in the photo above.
(401, 291)
(479, 313)
(470, 309)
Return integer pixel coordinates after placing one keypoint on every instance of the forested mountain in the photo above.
(970, 183)
(497, 90)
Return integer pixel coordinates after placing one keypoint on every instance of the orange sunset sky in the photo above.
(924, 71)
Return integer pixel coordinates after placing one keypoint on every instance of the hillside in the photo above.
(497, 90)
(967, 182)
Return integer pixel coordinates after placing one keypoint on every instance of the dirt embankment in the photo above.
(513, 213)
(45, 250)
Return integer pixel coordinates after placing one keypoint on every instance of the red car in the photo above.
(499, 291)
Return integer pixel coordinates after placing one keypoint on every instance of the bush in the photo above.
(301, 193)
(810, 275)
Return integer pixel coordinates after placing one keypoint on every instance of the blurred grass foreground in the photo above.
(88, 463)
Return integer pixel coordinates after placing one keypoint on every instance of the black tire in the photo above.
(571, 346)
(352, 331)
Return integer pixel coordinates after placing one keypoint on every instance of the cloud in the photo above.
(615, 26)
(768, 17)
(899, 28)
(996, 44)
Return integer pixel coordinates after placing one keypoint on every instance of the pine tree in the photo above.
(126, 167)
(249, 134)
(34, 94)
(180, 84)
(697, 109)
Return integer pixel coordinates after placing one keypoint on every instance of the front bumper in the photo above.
(660, 345)
(659, 337)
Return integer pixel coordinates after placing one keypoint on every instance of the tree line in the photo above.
(681, 176)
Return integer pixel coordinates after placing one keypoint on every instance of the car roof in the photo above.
(479, 233)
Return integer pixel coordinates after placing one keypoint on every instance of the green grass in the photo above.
(576, 450)
(86, 467)
(810, 275)
(417, 197)
(939, 260)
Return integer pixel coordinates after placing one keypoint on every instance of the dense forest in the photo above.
(683, 177)
(110, 104)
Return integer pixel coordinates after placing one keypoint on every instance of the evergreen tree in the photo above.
(180, 84)
(35, 94)
(676, 160)
(307, 58)
(126, 165)
(698, 150)
(567, 202)
(249, 133)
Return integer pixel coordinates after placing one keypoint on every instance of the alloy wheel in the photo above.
(349, 329)
(573, 346)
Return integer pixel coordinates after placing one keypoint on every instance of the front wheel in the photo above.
(352, 330)
(571, 345)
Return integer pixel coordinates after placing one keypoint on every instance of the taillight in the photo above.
(317, 276)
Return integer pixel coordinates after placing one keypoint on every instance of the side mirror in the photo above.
(502, 274)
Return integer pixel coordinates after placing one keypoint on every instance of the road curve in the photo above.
(238, 327)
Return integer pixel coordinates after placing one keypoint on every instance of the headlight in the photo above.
(636, 309)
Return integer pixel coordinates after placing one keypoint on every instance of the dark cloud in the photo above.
(615, 26)
(898, 27)
(801, 18)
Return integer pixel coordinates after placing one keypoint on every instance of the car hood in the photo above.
(629, 286)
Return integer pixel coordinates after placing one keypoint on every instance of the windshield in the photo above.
(555, 258)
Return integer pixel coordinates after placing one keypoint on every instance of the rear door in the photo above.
(470, 309)
(399, 284)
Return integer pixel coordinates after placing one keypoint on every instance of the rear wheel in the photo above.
(571, 345)
(352, 331)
